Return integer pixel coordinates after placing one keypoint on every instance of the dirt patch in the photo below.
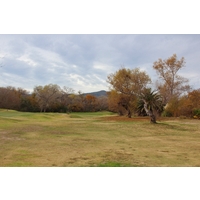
(122, 118)
(126, 119)
(5, 136)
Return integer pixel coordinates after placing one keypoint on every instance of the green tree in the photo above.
(29, 103)
(151, 103)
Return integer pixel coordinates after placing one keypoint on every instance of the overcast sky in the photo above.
(83, 62)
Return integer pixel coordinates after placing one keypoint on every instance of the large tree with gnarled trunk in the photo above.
(128, 84)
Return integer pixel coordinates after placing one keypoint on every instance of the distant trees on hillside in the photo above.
(50, 98)
(11, 98)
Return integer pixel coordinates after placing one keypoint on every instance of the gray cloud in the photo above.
(83, 62)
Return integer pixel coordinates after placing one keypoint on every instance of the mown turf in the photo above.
(99, 139)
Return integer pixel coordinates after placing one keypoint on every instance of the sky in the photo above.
(83, 61)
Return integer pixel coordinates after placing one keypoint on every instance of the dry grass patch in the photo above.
(96, 139)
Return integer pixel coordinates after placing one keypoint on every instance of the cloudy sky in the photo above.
(84, 61)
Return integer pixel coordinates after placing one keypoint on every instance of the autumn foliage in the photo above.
(50, 98)
(187, 105)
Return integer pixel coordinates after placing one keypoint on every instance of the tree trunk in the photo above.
(153, 118)
(129, 113)
(128, 110)
(120, 113)
(149, 113)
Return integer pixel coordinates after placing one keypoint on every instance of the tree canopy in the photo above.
(128, 84)
(171, 83)
(151, 102)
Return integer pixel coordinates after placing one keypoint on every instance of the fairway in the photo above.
(96, 139)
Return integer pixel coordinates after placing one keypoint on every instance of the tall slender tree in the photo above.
(171, 84)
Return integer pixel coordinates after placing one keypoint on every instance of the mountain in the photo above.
(97, 94)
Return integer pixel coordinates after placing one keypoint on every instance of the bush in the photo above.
(166, 113)
(196, 113)
(183, 117)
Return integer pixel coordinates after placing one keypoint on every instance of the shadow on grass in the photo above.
(115, 164)
(20, 164)
(172, 126)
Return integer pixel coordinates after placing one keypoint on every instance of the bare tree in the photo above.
(46, 95)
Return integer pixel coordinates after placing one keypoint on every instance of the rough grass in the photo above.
(96, 139)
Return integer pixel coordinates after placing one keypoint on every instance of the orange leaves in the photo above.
(126, 86)
(128, 81)
(171, 83)
(90, 98)
(194, 98)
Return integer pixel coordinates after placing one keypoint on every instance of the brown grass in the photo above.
(96, 139)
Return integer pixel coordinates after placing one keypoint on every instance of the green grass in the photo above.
(96, 139)
(113, 164)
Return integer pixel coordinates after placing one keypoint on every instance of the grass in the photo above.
(99, 139)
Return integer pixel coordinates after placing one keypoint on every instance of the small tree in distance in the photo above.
(46, 95)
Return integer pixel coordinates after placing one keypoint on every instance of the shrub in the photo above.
(196, 113)
(166, 113)
(183, 117)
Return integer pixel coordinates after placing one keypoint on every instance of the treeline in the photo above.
(187, 105)
(50, 98)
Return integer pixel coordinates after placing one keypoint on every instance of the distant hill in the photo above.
(97, 94)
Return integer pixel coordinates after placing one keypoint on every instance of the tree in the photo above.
(102, 103)
(10, 98)
(90, 103)
(65, 99)
(194, 98)
(171, 83)
(185, 105)
(191, 104)
(114, 103)
(29, 103)
(129, 85)
(151, 102)
(77, 102)
(46, 95)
